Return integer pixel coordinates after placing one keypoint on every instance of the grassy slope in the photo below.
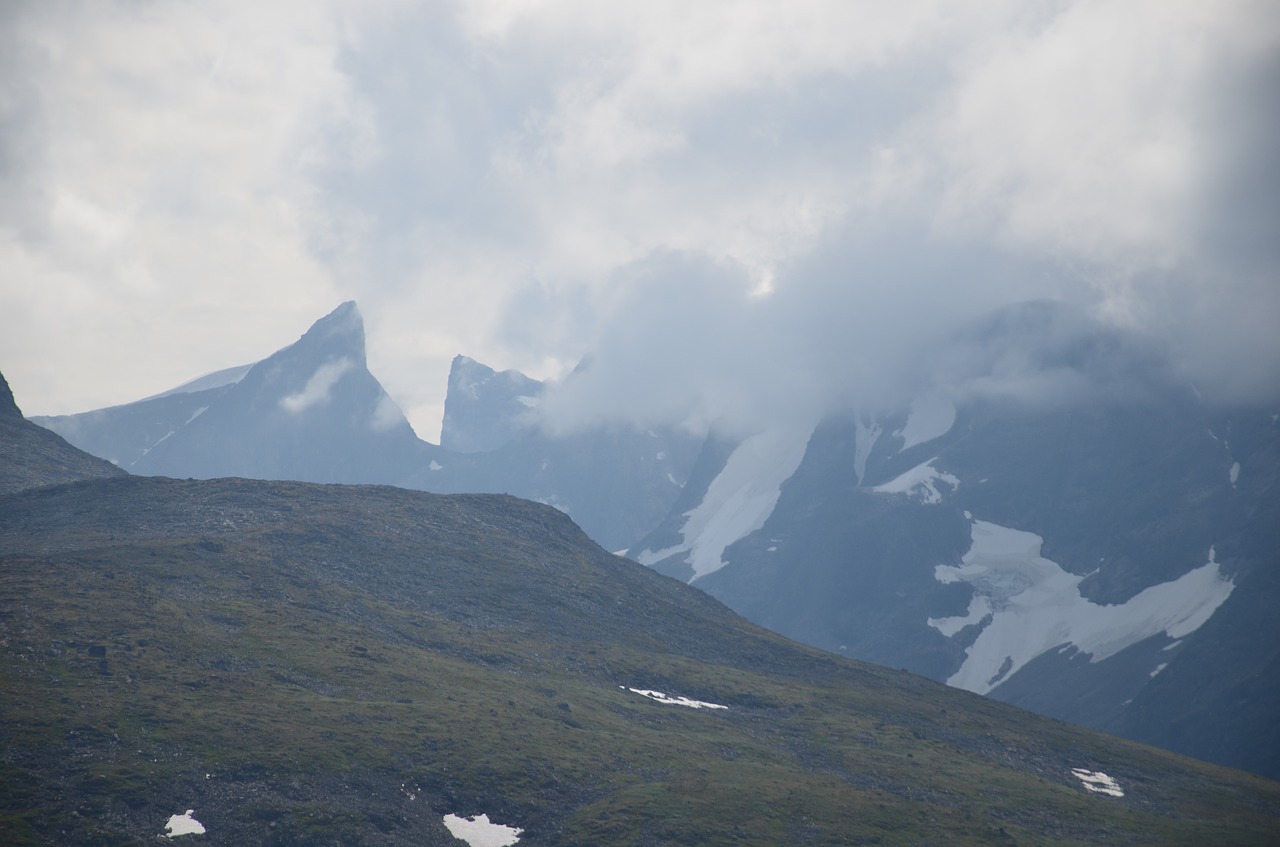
(316, 665)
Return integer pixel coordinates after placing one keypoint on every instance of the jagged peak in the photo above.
(341, 331)
(8, 406)
(344, 320)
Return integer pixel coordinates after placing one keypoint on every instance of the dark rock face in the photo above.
(8, 407)
(32, 456)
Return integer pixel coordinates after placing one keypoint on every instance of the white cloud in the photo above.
(479, 176)
(317, 391)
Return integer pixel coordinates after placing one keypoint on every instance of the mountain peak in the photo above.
(484, 408)
(8, 406)
(339, 332)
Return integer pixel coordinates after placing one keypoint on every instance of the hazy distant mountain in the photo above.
(31, 456)
(310, 412)
(1102, 548)
(313, 412)
(485, 409)
(616, 482)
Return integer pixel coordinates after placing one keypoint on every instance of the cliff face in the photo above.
(32, 456)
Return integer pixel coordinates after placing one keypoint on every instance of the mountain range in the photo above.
(271, 662)
(1060, 521)
(313, 412)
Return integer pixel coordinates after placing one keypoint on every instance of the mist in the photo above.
(738, 212)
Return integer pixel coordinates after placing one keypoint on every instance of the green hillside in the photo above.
(306, 664)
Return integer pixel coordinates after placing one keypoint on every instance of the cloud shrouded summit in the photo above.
(716, 202)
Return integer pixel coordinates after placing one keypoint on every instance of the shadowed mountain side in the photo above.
(306, 664)
(32, 456)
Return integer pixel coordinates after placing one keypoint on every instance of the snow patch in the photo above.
(198, 412)
(183, 824)
(1234, 473)
(159, 441)
(674, 701)
(480, 832)
(1097, 782)
(931, 416)
(435, 466)
(739, 500)
(920, 483)
(317, 390)
(1036, 606)
(979, 608)
(649, 558)
(1159, 668)
(527, 401)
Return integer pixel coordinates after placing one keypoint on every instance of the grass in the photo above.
(296, 680)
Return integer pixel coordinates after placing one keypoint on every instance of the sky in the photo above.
(734, 207)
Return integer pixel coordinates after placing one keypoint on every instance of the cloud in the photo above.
(823, 185)
(319, 387)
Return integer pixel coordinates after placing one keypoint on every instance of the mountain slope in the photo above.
(311, 411)
(1088, 546)
(31, 456)
(307, 664)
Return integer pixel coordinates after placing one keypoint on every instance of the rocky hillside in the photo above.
(32, 456)
(309, 664)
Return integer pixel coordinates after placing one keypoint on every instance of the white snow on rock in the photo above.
(738, 501)
(1097, 782)
(1036, 606)
(480, 832)
(931, 416)
(1234, 473)
(920, 483)
(674, 701)
(183, 824)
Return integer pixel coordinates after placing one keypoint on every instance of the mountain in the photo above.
(1099, 545)
(311, 411)
(1058, 520)
(485, 409)
(292, 663)
(31, 456)
(615, 481)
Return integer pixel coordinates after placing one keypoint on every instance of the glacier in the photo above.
(739, 500)
(1032, 605)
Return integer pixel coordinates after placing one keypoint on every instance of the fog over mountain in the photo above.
(717, 205)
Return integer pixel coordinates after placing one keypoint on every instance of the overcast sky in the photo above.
(719, 199)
